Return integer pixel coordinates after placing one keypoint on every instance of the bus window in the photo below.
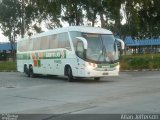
(19, 46)
(75, 34)
(80, 49)
(30, 45)
(44, 43)
(36, 44)
(24, 46)
(63, 41)
(53, 41)
(67, 43)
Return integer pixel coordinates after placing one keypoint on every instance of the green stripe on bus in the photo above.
(42, 55)
(107, 65)
(25, 56)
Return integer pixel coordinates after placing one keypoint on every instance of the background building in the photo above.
(7, 51)
(142, 46)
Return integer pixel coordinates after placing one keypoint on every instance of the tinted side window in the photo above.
(53, 41)
(44, 43)
(36, 44)
(20, 46)
(63, 41)
(23, 46)
(75, 34)
(30, 45)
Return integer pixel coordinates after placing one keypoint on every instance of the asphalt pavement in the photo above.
(130, 92)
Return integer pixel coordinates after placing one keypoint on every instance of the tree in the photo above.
(95, 9)
(72, 12)
(16, 17)
(49, 12)
(91, 11)
(142, 16)
(149, 18)
(132, 18)
(114, 6)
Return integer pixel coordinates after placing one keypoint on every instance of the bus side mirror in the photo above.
(84, 42)
(122, 46)
(81, 47)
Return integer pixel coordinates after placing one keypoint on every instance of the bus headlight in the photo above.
(91, 65)
(118, 67)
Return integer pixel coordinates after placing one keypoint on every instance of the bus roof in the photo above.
(86, 29)
(89, 29)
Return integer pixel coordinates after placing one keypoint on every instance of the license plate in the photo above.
(105, 73)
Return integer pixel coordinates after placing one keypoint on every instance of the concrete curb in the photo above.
(8, 70)
(143, 70)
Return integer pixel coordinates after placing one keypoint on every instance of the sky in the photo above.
(3, 38)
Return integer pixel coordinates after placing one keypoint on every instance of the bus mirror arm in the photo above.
(122, 43)
(84, 42)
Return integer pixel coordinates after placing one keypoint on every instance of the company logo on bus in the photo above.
(105, 66)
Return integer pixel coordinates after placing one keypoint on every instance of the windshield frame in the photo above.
(75, 34)
(103, 49)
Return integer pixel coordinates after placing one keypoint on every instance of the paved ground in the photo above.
(131, 92)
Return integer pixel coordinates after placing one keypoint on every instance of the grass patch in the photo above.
(140, 61)
(7, 66)
(127, 62)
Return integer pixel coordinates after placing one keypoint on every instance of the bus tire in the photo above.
(25, 69)
(97, 78)
(69, 74)
(31, 73)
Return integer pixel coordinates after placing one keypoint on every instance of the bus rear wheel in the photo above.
(31, 73)
(97, 78)
(69, 74)
(25, 69)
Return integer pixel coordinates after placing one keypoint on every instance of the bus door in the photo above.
(80, 67)
(80, 51)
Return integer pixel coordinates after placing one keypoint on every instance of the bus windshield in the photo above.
(101, 47)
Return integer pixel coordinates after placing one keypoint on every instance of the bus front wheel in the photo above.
(69, 73)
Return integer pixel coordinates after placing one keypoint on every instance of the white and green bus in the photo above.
(75, 51)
